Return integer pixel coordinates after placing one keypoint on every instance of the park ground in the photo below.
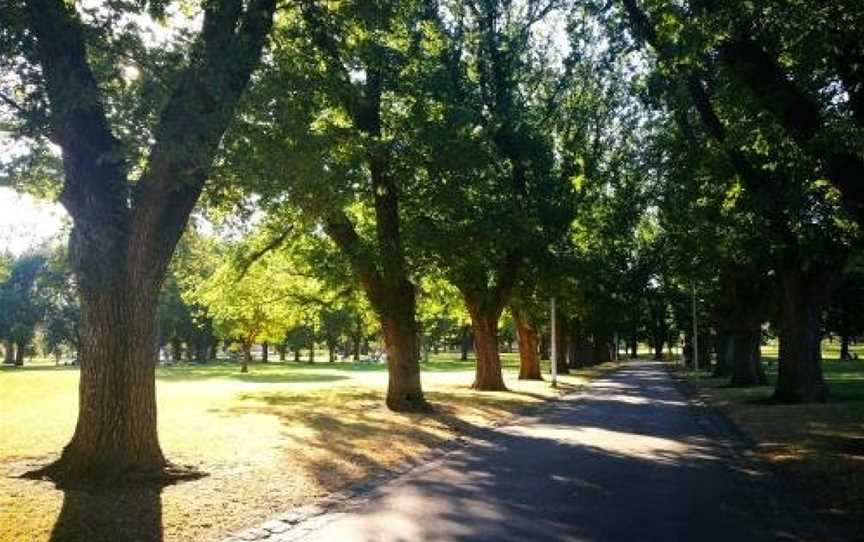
(285, 434)
(269, 440)
(817, 450)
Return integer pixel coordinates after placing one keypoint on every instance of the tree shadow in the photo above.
(36, 368)
(257, 374)
(129, 515)
(607, 467)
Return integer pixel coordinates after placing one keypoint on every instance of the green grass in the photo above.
(268, 440)
(818, 448)
(830, 350)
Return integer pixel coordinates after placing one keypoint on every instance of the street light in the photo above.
(554, 350)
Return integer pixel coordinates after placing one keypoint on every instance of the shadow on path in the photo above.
(628, 460)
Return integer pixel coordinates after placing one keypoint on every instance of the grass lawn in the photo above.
(817, 449)
(268, 440)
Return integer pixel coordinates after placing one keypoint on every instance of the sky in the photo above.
(25, 222)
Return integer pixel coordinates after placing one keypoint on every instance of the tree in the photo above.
(132, 175)
(779, 168)
(330, 86)
(23, 306)
(61, 319)
(503, 196)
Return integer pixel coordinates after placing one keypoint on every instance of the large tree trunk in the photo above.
(123, 238)
(404, 392)
(176, 350)
(8, 352)
(573, 349)
(529, 356)
(799, 377)
(744, 352)
(561, 347)
(116, 433)
(281, 351)
(265, 353)
(297, 355)
(488, 375)
(20, 349)
(725, 350)
(634, 345)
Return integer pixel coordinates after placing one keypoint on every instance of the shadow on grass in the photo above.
(109, 516)
(33, 368)
(259, 373)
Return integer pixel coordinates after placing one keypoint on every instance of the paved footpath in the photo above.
(626, 460)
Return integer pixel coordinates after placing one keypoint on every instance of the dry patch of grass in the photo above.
(276, 438)
(817, 449)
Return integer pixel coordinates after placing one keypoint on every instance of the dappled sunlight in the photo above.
(589, 458)
(661, 450)
(275, 438)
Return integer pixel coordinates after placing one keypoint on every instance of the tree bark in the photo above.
(297, 355)
(8, 352)
(265, 352)
(799, 377)
(725, 350)
(561, 349)
(744, 352)
(246, 357)
(488, 375)
(20, 349)
(282, 351)
(116, 432)
(404, 392)
(529, 356)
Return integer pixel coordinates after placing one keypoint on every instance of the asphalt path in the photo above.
(628, 459)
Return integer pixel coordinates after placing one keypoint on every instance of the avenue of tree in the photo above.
(425, 175)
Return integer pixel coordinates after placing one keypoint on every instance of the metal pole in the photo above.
(553, 346)
(695, 333)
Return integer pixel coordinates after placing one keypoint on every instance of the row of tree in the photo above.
(382, 156)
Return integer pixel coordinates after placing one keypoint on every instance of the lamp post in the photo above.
(695, 333)
(554, 347)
